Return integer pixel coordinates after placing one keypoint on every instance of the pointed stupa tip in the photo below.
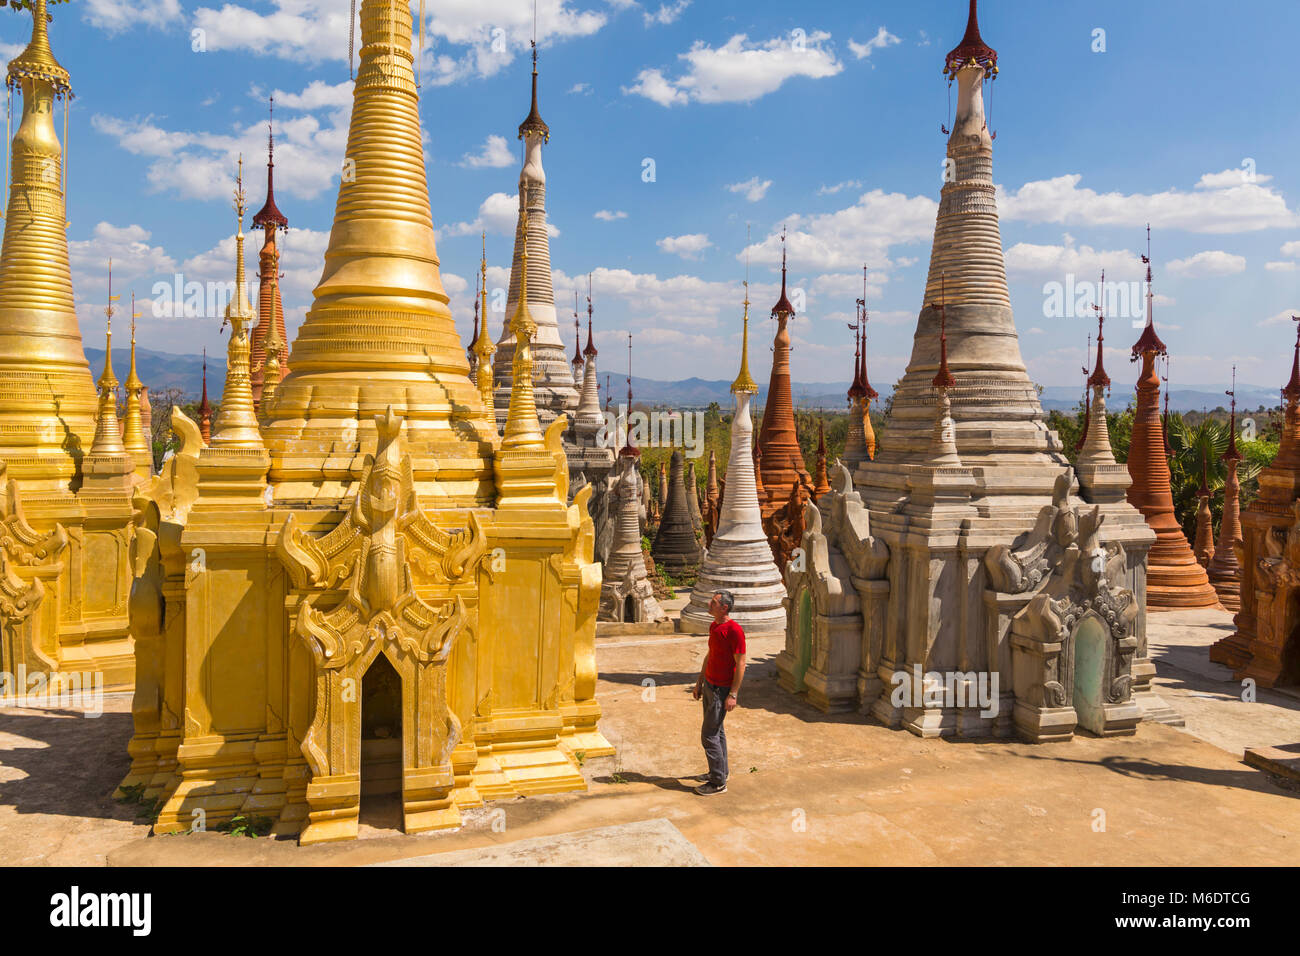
(1099, 376)
(972, 49)
(590, 350)
(269, 216)
(870, 393)
(133, 382)
(205, 409)
(1291, 391)
(744, 381)
(1231, 453)
(783, 306)
(1148, 341)
(533, 122)
(577, 361)
(1204, 490)
(37, 61)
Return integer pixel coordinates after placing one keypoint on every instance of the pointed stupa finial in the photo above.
(1231, 453)
(972, 50)
(108, 431)
(869, 393)
(1291, 391)
(205, 408)
(577, 361)
(133, 382)
(590, 350)
(1099, 378)
(533, 123)
(37, 60)
(523, 428)
(943, 379)
(783, 309)
(484, 348)
(629, 450)
(744, 381)
(269, 216)
(1148, 341)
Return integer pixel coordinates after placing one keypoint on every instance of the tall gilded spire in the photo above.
(108, 430)
(379, 332)
(205, 408)
(483, 347)
(133, 421)
(236, 424)
(48, 403)
(744, 381)
(522, 427)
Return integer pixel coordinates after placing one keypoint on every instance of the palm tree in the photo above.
(1204, 444)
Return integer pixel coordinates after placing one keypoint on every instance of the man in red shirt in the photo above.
(719, 685)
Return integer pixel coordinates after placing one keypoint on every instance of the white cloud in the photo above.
(667, 13)
(1034, 331)
(1231, 177)
(1031, 261)
(832, 190)
(653, 85)
(846, 238)
(1242, 208)
(1211, 263)
(1281, 318)
(739, 71)
(1280, 266)
(201, 164)
(688, 246)
(882, 39)
(114, 16)
(753, 189)
(463, 39)
(498, 214)
(1291, 248)
(584, 88)
(495, 153)
(605, 215)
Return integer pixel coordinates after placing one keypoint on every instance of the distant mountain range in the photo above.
(163, 370)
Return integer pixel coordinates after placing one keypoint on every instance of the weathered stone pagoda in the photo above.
(1174, 577)
(371, 593)
(956, 585)
(590, 450)
(675, 545)
(1264, 647)
(64, 565)
(270, 307)
(739, 559)
(1224, 570)
(626, 594)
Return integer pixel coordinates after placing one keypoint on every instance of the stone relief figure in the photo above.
(1023, 566)
(1046, 630)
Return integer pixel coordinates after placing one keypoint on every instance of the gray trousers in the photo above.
(712, 736)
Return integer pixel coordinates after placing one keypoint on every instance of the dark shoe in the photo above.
(709, 789)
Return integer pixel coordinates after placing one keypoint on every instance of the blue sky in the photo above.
(839, 141)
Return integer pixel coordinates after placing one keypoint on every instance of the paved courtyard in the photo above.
(806, 788)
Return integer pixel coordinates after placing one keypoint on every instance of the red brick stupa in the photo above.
(1225, 572)
(781, 461)
(1263, 647)
(1174, 578)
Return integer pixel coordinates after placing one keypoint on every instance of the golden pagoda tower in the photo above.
(67, 510)
(133, 435)
(483, 347)
(375, 594)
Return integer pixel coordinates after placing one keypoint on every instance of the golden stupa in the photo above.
(65, 574)
(369, 592)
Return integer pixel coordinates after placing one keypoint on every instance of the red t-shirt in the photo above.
(726, 640)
